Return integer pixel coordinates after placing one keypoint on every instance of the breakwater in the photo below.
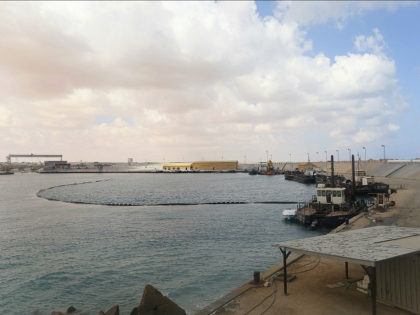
(180, 190)
(41, 192)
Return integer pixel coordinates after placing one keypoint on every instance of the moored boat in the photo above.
(306, 214)
(6, 172)
(337, 218)
(301, 177)
(289, 214)
(253, 172)
(331, 206)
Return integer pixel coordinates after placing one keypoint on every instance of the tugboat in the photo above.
(331, 206)
(265, 168)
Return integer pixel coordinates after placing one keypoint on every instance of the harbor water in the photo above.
(89, 251)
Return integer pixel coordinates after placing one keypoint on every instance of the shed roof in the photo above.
(364, 246)
(222, 161)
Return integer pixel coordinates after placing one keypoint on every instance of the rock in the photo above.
(153, 302)
(115, 310)
(71, 309)
(135, 311)
(101, 313)
(57, 313)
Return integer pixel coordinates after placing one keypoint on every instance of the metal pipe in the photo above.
(353, 179)
(285, 273)
(326, 160)
(384, 151)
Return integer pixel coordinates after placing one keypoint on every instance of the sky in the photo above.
(185, 81)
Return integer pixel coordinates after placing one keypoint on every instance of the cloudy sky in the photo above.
(104, 81)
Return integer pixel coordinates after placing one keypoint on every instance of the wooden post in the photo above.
(285, 273)
(372, 277)
(371, 271)
(347, 269)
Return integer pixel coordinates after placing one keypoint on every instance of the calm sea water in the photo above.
(55, 254)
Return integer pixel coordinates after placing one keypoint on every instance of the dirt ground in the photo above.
(405, 213)
(407, 208)
(319, 288)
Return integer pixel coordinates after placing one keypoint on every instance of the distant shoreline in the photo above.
(139, 172)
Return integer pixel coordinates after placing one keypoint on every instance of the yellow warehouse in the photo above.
(214, 165)
(177, 167)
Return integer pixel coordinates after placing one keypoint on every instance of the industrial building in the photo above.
(177, 166)
(214, 166)
(62, 165)
(202, 166)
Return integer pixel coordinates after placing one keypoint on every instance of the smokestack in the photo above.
(353, 178)
(332, 171)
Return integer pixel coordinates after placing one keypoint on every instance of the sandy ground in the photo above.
(320, 284)
(407, 209)
(319, 288)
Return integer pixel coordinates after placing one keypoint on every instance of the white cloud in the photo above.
(190, 79)
(374, 43)
(6, 118)
(393, 127)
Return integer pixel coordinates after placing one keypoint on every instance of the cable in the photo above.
(308, 263)
(274, 286)
(312, 268)
(274, 298)
(264, 299)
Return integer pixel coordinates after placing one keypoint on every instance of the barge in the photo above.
(307, 177)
